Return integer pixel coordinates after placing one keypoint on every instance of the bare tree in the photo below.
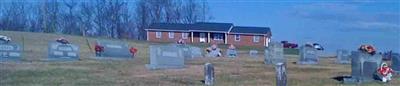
(14, 17)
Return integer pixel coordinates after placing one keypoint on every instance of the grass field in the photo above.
(243, 71)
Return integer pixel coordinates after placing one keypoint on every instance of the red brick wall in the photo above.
(165, 37)
(245, 40)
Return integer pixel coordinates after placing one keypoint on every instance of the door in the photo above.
(202, 37)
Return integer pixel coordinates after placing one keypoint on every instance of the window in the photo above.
(158, 34)
(256, 38)
(171, 34)
(237, 37)
(185, 35)
(218, 37)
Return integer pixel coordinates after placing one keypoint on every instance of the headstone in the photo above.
(363, 67)
(214, 53)
(343, 57)
(10, 51)
(274, 53)
(209, 74)
(396, 63)
(191, 52)
(281, 77)
(253, 53)
(308, 55)
(62, 52)
(165, 57)
(114, 49)
(231, 53)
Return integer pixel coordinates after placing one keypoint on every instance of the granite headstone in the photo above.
(281, 77)
(363, 67)
(10, 51)
(209, 74)
(274, 53)
(166, 57)
(343, 57)
(396, 63)
(114, 49)
(62, 52)
(308, 55)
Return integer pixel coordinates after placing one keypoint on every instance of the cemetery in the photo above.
(167, 64)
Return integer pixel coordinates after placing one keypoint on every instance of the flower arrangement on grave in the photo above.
(385, 72)
(5, 38)
(368, 49)
(62, 40)
(98, 49)
(133, 51)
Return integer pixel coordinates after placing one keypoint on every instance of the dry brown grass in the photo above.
(242, 71)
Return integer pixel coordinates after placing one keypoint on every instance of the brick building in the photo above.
(206, 32)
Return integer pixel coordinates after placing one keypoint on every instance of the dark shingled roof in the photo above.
(250, 30)
(207, 26)
(198, 27)
(170, 26)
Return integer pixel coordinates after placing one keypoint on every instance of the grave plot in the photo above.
(253, 53)
(107, 49)
(343, 57)
(308, 55)
(363, 67)
(165, 57)
(274, 53)
(62, 52)
(10, 51)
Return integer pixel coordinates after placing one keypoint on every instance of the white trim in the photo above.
(230, 29)
(147, 35)
(158, 35)
(171, 35)
(218, 36)
(256, 40)
(185, 35)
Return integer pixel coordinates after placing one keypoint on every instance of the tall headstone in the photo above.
(209, 74)
(253, 53)
(62, 52)
(363, 67)
(308, 55)
(114, 49)
(396, 63)
(281, 77)
(166, 57)
(343, 57)
(274, 53)
(231, 53)
(10, 51)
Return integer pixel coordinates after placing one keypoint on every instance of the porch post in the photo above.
(226, 38)
(191, 33)
(208, 39)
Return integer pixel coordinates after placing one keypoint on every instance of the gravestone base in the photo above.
(155, 67)
(112, 58)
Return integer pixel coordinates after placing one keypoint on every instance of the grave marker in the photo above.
(363, 67)
(274, 53)
(253, 53)
(281, 77)
(231, 53)
(396, 63)
(343, 57)
(114, 49)
(308, 55)
(209, 74)
(190, 52)
(10, 51)
(62, 52)
(165, 57)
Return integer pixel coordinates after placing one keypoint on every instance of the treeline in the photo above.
(108, 18)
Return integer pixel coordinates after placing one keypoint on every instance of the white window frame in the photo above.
(237, 37)
(218, 37)
(185, 35)
(171, 35)
(158, 34)
(256, 38)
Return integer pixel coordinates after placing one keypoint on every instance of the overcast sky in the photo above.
(334, 24)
